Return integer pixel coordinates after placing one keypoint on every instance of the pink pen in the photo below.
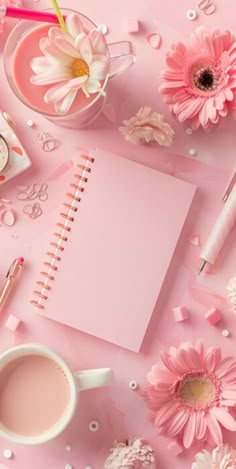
(220, 232)
(12, 274)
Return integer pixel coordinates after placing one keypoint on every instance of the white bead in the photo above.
(191, 15)
(192, 152)
(8, 454)
(68, 466)
(103, 28)
(88, 467)
(225, 333)
(30, 123)
(68, 447)
(93, 426)
(189, 131)
(133, 385)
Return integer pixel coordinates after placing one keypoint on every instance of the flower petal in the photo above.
(53, 54)
(91, 86)
(225, 419)
(40, 64)
(55, 33)
(98, 42)
(213, 359)
(229, 394)
(167, 361)
(57, 93)
(85, 49)
(65, 104)
(177, 423)
(201, 426)
(190, 430)
(50, 77)
(164, 415)
(74, 24)
(225, 366)
(214, 427)
(66, 47)
(99, 68)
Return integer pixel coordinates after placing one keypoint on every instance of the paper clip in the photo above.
(207, 7)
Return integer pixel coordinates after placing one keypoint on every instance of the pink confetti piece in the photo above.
(180, 313)
(194, 240)
(13, 323)
(132, 24)
(213, 316)
(154, 40)
(109, 112)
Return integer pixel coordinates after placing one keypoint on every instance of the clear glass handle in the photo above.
(122, 55)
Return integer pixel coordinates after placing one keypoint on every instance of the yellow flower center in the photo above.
(79, 68)
(197, 391)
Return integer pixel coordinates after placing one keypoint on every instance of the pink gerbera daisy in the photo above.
(200, 79)
(192, 392)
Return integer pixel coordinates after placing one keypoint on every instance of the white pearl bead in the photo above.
(93, 426)
(30, 123)
(8, 454)
(189, 131)
(103, 28)
(225, 333)
(68, 447)
(191, 15)
(133, 385)
(68, 466)
(192, 152)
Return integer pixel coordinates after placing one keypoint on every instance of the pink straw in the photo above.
(25, 14)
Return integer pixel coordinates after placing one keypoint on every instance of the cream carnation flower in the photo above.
(131, 455)
(222, 457)
(146, 127)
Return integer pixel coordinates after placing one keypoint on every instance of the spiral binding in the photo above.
(54, 257)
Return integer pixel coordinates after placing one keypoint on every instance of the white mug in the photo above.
(33, 362)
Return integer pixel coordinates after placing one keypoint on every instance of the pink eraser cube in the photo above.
(13, 323)
(213, 316)
(180, 313)
(175, 448)
(132, 24)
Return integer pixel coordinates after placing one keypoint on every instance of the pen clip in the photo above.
(229, 188)
(11, 270)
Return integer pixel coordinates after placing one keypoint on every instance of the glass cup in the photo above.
(121, 55)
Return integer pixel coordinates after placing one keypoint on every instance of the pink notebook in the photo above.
(111, 248)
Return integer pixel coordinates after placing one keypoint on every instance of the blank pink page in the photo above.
(119, 249)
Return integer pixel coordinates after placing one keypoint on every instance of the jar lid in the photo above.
(4, 153)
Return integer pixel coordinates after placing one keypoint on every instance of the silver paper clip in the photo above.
(207, 7)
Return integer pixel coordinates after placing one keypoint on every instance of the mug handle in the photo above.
(122, 56)
(89, 379)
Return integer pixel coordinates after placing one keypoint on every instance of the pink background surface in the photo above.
(120, 411)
